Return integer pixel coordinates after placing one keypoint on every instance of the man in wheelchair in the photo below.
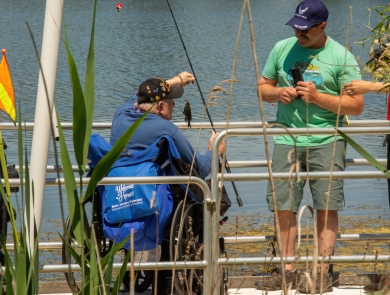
(161, 93)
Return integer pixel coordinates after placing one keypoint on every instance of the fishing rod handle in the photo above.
(238, 198)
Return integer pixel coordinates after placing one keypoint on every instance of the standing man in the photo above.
(312, 103)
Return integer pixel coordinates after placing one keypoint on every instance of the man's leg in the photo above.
(319, 159)
(288, 233)
(327, 236)
(287, 201)
(326, 241)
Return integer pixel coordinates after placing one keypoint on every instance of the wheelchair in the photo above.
(185, 244)
(184, 232)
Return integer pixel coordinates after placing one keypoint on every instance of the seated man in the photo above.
(158, 123)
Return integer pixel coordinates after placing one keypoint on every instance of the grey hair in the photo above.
(146, 106)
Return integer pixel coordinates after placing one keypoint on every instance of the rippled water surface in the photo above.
(141, 41)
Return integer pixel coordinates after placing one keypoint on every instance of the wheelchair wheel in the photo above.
(143, 280)
(186, 244)
(73, 278)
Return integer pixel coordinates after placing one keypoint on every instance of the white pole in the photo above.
(41, 133)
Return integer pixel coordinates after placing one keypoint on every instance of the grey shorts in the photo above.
(289, 194)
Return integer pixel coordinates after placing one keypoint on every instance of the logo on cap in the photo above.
(302, 11)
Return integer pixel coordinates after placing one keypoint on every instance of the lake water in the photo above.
(141, 41)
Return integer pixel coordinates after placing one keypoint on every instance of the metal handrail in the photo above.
(241, 239)
(169, 265)
(232, 164)
(302, 175)
(198, 125)
(277, 260)
(339, 237)
(226, 177)
(48, 268)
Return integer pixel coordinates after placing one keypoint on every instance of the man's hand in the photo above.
(186, 78)
(357, 87)
(287, 95)
(222, 144)
(183, 79)
(307, 91)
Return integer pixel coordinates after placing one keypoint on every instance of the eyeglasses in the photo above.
(306, 31)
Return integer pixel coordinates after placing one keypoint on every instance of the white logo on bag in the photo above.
(121, 190)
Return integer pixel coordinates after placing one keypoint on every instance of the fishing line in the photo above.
(227, 167)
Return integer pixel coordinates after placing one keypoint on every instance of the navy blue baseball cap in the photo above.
(307, 14)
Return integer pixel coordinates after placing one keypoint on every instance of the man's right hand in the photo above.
(222, 145)
(287, 95)
(271, 93)
(182, 79)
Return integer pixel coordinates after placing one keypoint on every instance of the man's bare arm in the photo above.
(349, 104)
(362, 87)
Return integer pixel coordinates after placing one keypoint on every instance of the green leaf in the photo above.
(22, 265)
(121, 274)
(79, 108)
(71, 188)
(365, 154)
(9, 268)
(94, 275)
(89, 89)
(105, 164)
(107, 263)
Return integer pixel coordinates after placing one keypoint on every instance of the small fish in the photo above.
(187, 113)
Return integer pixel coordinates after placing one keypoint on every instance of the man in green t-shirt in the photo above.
(318, 101)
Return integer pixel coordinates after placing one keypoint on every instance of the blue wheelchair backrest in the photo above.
(127, 207)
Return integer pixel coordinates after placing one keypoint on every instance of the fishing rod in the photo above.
(227, 167)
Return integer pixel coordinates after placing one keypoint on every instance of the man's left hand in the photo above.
(307, 91)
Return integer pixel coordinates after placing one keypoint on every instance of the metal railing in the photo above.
(211, 261)
(217, 177)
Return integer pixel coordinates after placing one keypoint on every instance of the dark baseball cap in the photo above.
(156, 89)
(308, 13)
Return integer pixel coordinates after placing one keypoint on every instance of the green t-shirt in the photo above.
(329, 68)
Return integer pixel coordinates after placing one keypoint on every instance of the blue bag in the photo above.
(128, 207)
(127, 202)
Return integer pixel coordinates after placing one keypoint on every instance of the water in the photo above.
(141, 41)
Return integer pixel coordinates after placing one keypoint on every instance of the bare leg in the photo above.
(288, 233)
(329, 234)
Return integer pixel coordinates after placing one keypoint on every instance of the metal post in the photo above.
(214, 275)
(42, 121)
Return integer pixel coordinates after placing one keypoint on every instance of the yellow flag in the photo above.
(7, 98)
